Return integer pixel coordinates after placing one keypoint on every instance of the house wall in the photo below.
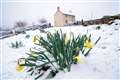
(68, 20)
(58, 19)
(62, 20)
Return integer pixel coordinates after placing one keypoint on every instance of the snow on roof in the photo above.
(68, 14)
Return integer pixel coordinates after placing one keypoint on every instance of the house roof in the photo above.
(69, 14)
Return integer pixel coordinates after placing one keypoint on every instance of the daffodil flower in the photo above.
(35, 39)
(88, 44)
(77, 58)
(66, 37)
(20, 68)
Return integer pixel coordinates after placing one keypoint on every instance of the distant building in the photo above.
(62, 19)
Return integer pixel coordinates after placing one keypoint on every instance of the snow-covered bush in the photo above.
(42, 30)
(59, 51)
(27, 36)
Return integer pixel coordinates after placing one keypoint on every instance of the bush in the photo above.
(17, 44)
(20, 24)
(42, 30)
(106, 17)
(98, 27)
(59, 53)
(27, 36)
(43, 20)
(116, 23)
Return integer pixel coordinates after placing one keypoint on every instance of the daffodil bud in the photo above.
(35, 39)
(76, 58)
(66, 37)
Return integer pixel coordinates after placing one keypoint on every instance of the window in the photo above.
(66, 21)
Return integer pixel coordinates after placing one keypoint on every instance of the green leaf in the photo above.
(39, 76)
(29, 64)
(31, 73)
(29, 70)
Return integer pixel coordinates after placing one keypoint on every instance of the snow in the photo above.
(101, 63)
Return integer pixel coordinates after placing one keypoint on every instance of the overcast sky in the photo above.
(33, 10)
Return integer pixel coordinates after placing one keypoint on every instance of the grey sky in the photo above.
(32, 10)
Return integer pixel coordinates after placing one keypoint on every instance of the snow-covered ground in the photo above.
(101, 63)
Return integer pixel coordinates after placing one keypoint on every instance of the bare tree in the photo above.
(43, 20)
(20, 24)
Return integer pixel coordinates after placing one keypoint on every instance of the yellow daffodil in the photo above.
(20, 68)
(77, 58)
(88, 44)
(35, 39)
(80, 58)
(66, 37)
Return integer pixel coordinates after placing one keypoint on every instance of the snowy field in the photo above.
(101, 63)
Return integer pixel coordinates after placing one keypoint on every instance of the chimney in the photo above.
(58, 8)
